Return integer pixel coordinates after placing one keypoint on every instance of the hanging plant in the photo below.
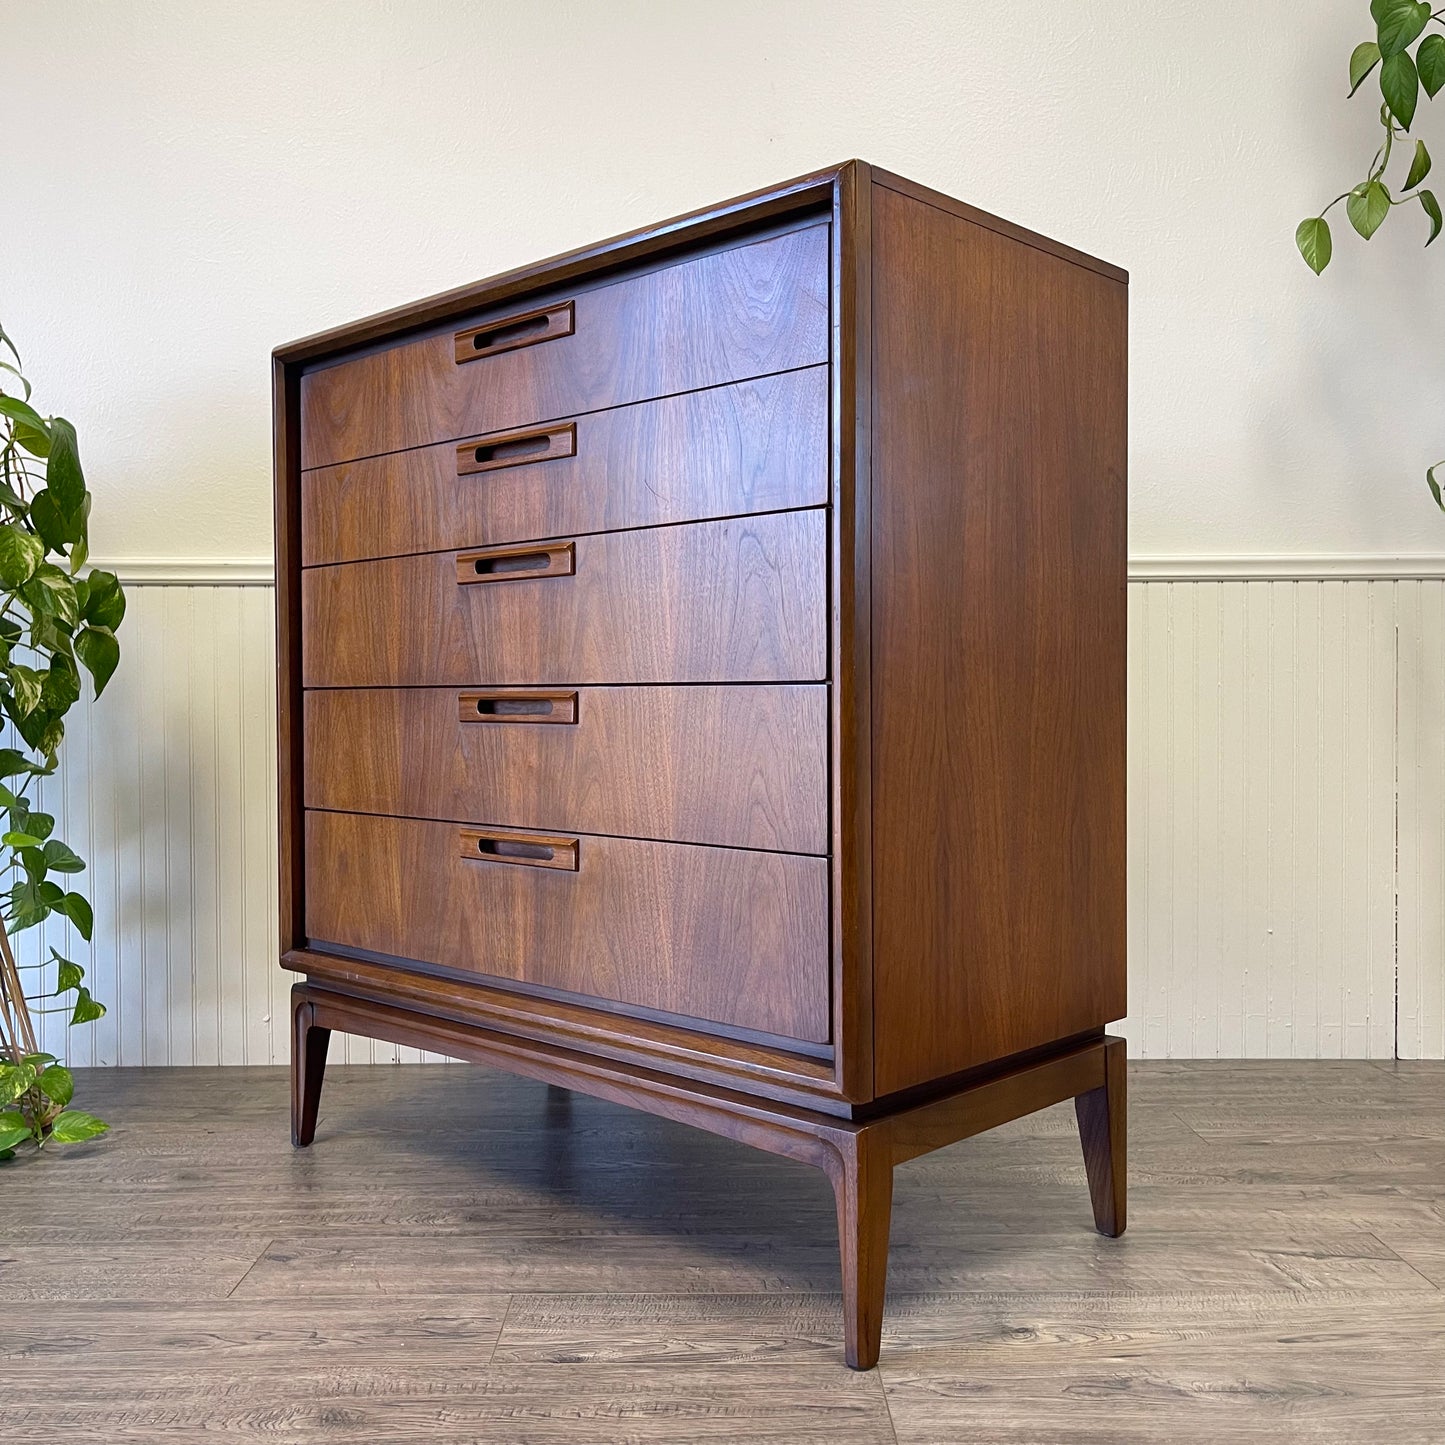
(53, 622)
(1399, 25)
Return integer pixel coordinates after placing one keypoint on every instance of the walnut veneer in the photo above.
(701, 682)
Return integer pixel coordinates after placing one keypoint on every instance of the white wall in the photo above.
(201, 179)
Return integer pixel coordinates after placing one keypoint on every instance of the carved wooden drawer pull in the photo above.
(517, 563)
(517, 705)
(531, 850)
(516, 448)
(507, 333)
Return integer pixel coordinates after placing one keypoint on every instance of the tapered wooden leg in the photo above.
(308, 1066)
(863, 1188)
(1103, 1130)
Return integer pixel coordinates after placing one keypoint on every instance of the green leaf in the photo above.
(1419, 166)
(1363, 60)
(60, 687)
(1435, 485)
(1432, 209)
(12, 501)
(86, 1009)
(1430, 61)
(33, 861)
(1313, 239)
(38, 1059)
(51, 634)
(52, 593)
(27, 906)
(11, 1133)
(15, 1079)
(60, 859)
(25, 687)
(97, 648)
(104, 600)
(20, 554)
(78, 555)
(38, 825)
(73, 1126)
(57, 1085)
(23, 412)
(19, 840)
(1400, 85)
(63, 477)
(1367, 207)
(77, 910)
(68, 976)
(1400, 23)
(58, 529)
(35, 441)
(13, 763)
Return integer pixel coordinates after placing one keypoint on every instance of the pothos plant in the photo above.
(53, 622)
(1399, 25)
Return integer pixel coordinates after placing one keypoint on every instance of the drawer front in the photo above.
(754, 446)
(747, 311)
(742, 600)
(717, 935)
(746, 767)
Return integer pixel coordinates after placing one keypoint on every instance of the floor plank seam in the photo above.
(1187, 1126)
(887, 1408)
(501, 1330)
(262, 1255)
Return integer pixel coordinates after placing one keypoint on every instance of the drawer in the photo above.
(754, 446)
(746, 767)
(723, 316)
(742, 600)
(723, 936)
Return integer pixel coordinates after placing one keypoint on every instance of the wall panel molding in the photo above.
(1364, 566)
(1286, 821)
(1356, 567)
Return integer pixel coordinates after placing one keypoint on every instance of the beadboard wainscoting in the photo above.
(1286, 828)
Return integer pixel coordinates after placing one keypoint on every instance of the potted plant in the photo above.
(53, 622)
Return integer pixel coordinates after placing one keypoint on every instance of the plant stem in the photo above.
(19, 1027)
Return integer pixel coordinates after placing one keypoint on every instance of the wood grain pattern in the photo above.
(719, 935)
(755, 446)
(745, 767)
(723, 316)
(309, 1042)
(851, 635)
(733, 601)
(998, 668)
(660, 1283)
(956, 953)
(785, 1070)
(1103, 1115)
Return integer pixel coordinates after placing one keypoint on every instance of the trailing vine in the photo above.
(1399, 25)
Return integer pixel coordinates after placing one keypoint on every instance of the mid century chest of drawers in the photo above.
(701, 680)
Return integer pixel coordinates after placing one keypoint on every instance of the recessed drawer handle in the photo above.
(517, 705)
(517, 564)
(516, 449)
(531, 850)
(507, 333)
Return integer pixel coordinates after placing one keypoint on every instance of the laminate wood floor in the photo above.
(467, 1257)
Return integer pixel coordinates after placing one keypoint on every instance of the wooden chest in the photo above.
(701, 681)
